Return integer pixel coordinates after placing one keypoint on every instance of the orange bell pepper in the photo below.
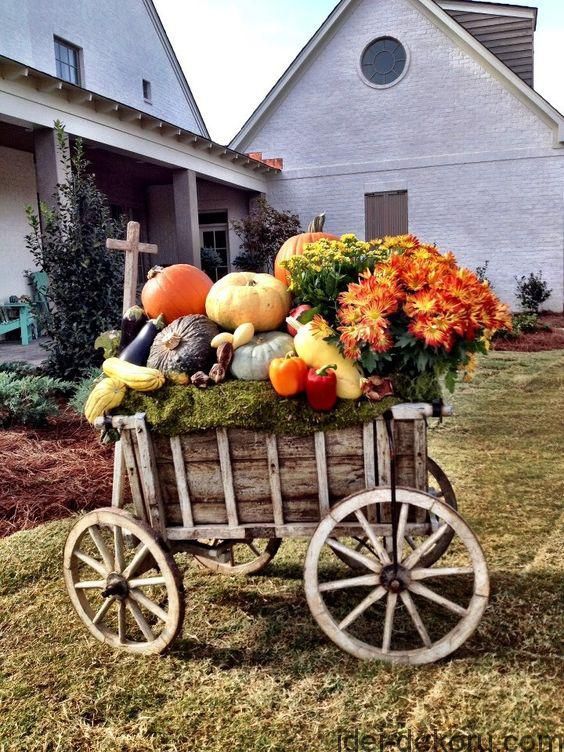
(288, 375)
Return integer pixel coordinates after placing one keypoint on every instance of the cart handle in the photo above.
(413, 410)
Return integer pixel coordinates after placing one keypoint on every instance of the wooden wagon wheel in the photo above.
(120, 601)
(410, 614)
(439, 486)
(241, 556)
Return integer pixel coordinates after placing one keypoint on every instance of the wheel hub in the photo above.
(394, 578)
(116, 587)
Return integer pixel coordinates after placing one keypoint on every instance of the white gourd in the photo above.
(251, 361)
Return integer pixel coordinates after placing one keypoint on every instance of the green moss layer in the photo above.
(175, 410)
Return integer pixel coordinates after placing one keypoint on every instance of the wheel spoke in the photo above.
(96, 535)
(140, 619)
(370, 564)
(150, 605)
(389, 621)
(94, 564)
(423, 573)
(414, 613)
(410, 542)
(121, 621)
(361, 581)
(90, 584)
(119, 549)
(102, 611)
(422, 549)
(426, 592)
(374, 596)
(137, 560)
(146, 582)
(254, 549)
(380, 550)
(401, 528)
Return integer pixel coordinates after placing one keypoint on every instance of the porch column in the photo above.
(49, 169)
(186, 216)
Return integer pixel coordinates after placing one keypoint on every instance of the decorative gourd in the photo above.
(219, 339)
(317, 353)
(246, 297)
(251, 361)
(295, 245)
(140, 378)
(105, 395)
(243, 334)
(175, 291)
(184, 346)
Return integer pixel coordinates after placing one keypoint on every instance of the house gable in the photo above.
(507, 31)
(121, 44)
(353, 24)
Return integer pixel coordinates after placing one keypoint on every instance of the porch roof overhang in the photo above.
(30, 97)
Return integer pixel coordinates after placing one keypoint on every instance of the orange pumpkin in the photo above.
(175, 291)
(295, 245)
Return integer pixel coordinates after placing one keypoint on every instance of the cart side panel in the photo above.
(298, 478)
(345, 462)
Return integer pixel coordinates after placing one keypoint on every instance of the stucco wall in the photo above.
(218, 197)
(480, 167)
(17, 190)
(120, 47)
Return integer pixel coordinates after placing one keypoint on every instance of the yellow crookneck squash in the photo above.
(317, 353)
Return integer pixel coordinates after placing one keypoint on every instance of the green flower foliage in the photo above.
(327, 267)
(85, 280)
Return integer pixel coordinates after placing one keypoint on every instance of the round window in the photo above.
(383, 62)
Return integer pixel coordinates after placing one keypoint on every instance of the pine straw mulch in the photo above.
(537, 341)
(48, 473)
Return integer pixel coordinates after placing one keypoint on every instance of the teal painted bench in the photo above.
(24, 322)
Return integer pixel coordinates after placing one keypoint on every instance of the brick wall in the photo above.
(481, 170)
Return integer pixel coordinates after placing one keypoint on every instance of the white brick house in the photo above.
(106, 69)
(479, 153)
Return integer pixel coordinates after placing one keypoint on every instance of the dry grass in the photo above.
(253, 672)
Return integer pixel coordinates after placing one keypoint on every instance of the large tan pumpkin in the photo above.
(242, 297)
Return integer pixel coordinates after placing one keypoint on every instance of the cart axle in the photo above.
(395, 578)
(116, 587)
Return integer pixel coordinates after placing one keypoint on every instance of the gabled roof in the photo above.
(175, 65)
(448, 25)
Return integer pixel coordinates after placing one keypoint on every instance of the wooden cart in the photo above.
(399, 579)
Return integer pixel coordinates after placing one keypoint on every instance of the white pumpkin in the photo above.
(251, 361)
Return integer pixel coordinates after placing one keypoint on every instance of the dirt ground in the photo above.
(537, 341)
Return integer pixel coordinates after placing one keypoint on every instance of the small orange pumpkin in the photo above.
(295, 245)
(175, 291)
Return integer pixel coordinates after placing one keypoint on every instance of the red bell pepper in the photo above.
(321, 388)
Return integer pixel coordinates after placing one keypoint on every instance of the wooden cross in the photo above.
(132, 248)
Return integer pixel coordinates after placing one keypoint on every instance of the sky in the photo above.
(233, 51)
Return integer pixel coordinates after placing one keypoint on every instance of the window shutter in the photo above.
(385, 214)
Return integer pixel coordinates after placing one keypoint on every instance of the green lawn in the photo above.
(252, 671)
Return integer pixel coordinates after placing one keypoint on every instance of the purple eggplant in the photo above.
(137, 351)
(134, 319)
